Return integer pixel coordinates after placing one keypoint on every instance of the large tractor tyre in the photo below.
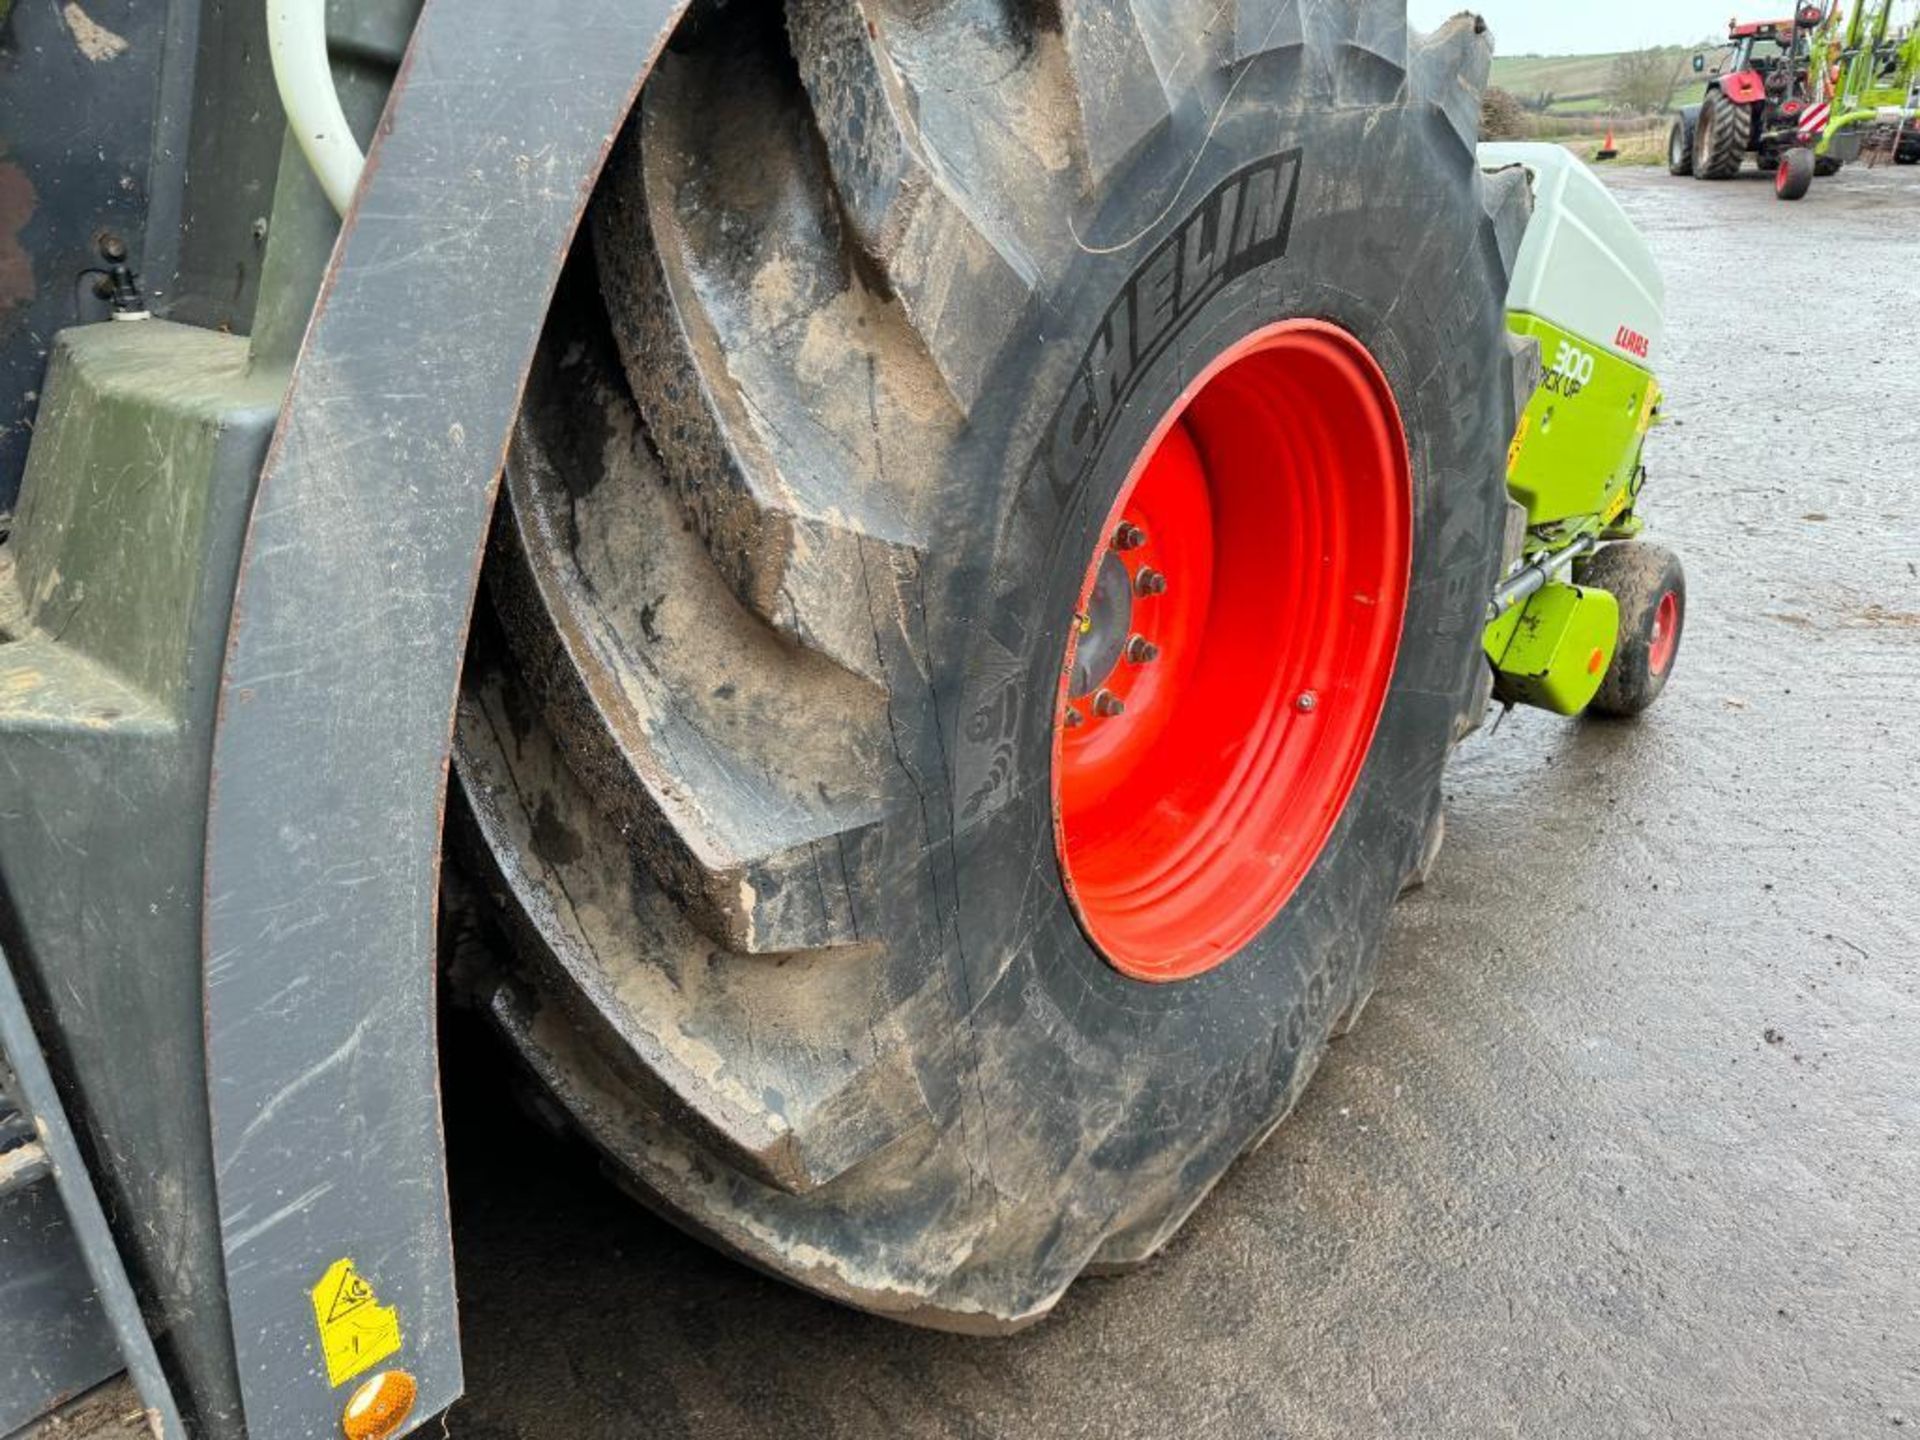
(1651, 587)
(1680, 149)
(990, 574)
(1721, 143)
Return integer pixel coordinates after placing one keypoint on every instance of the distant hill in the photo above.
(1578, 83)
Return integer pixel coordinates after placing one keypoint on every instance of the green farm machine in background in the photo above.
(1866, 75)
(1586, 289)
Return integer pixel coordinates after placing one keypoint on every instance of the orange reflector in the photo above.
(380, 1407)
(1595, 661)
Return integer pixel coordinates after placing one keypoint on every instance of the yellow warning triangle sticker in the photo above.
(349, 1294)
(356, 1330)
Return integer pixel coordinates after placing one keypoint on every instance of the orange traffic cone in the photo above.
(1608, 151)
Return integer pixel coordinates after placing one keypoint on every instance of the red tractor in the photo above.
(1762, 102)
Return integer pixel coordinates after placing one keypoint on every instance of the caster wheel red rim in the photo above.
(1665, 635)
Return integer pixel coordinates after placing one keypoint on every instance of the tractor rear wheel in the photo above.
(1680, 149)
(1720, 144)
(988, 578)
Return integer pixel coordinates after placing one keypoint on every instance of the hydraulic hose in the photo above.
(297, 42)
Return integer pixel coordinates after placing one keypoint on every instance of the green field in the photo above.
(1578, 83)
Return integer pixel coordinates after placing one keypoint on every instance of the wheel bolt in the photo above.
(1108, 704)
(1073, 719)
(1307, 702)
(1142, 651)
(1149, 582)
(1129, 536)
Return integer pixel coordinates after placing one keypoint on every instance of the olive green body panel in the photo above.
(1576, 453)
(115, 587)
(1553, 650)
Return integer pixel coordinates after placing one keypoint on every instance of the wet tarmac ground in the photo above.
(1628, 1142)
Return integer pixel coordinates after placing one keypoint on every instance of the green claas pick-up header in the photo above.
(1586, 290)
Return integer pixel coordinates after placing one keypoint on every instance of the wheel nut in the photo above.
(1307, 703)
(1073, 719)
(1149, 582)
(1142, 651)
(1129, 536)
(1108, 704)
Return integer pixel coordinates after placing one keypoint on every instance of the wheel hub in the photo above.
(1104, 627)
(1231, 650)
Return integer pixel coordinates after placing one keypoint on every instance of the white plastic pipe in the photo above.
(297, 42)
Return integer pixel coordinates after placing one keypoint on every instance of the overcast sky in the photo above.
(1589, 27)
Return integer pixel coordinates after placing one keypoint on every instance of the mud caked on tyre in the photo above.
(991, 569)
(1651, 586)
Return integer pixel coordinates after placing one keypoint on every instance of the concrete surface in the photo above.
(1628, 1142)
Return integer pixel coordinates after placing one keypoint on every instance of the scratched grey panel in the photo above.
(349, 623)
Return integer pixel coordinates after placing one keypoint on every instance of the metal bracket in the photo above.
(336, 706)
(20, 1053)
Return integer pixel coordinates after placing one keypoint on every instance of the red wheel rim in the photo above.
(1211, 724)
(1780, 179)
(1666, 633)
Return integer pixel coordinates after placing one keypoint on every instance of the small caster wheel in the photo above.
(1794, 177)
(1651, 587)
